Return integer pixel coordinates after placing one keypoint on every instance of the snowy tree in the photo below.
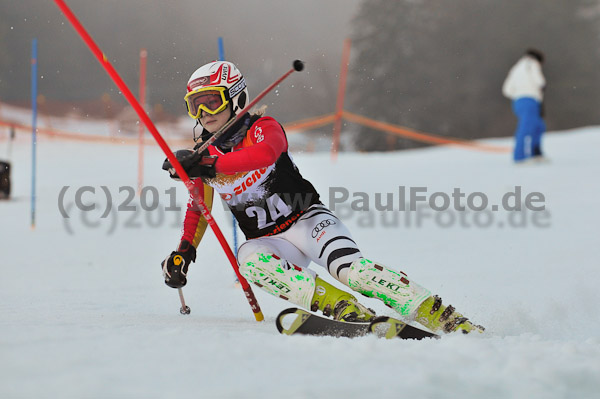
(4, 53)
(438, 66)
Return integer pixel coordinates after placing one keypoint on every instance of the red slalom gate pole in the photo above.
(163, 145)
(142, 96)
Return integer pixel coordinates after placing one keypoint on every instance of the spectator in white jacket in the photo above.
(524, 85)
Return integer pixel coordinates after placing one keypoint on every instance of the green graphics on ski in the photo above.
(306, 323)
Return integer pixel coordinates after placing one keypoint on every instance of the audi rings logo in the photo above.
(321, 226)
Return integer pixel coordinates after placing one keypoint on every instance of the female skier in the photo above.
(279, 211)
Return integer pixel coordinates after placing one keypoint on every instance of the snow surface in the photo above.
(84, 312)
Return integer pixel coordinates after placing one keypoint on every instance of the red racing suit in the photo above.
(258, 181)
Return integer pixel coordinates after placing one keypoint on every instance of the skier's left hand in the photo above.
(195, 165)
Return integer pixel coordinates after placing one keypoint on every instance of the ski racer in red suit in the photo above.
(286, 225)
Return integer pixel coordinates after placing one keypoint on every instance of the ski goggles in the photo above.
(208, 99)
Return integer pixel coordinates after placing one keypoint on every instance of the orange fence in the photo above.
(305, 124)
(401, 131)
(61, 134)
(422, 137)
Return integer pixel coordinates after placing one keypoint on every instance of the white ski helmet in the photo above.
(213, 86)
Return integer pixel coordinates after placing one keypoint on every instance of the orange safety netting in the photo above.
(311, 123)
(304, 124)
(419, 136)
(61, 134)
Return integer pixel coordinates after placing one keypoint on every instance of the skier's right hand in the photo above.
(175, 267)
(195, 164)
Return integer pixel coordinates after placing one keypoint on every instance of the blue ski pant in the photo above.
(530, 127)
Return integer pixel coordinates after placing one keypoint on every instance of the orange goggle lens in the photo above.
(211, 100)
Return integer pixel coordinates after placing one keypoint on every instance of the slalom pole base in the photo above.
(259, 316)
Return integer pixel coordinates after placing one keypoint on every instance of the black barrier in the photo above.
(4, 180)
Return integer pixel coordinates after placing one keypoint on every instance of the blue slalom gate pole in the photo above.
(221, 50)
(34, 74)
(235, 238)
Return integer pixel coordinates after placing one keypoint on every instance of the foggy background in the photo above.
(438, 66)
(261, 37)
(434, 66)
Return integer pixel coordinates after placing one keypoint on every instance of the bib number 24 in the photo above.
(275, 208)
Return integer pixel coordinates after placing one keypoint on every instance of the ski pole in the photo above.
(163, 145)
(184, 308)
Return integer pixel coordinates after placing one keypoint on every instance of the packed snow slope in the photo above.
(84, 311)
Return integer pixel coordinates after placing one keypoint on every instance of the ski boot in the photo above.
(435, 316)
(406, 297)
(341, 305)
